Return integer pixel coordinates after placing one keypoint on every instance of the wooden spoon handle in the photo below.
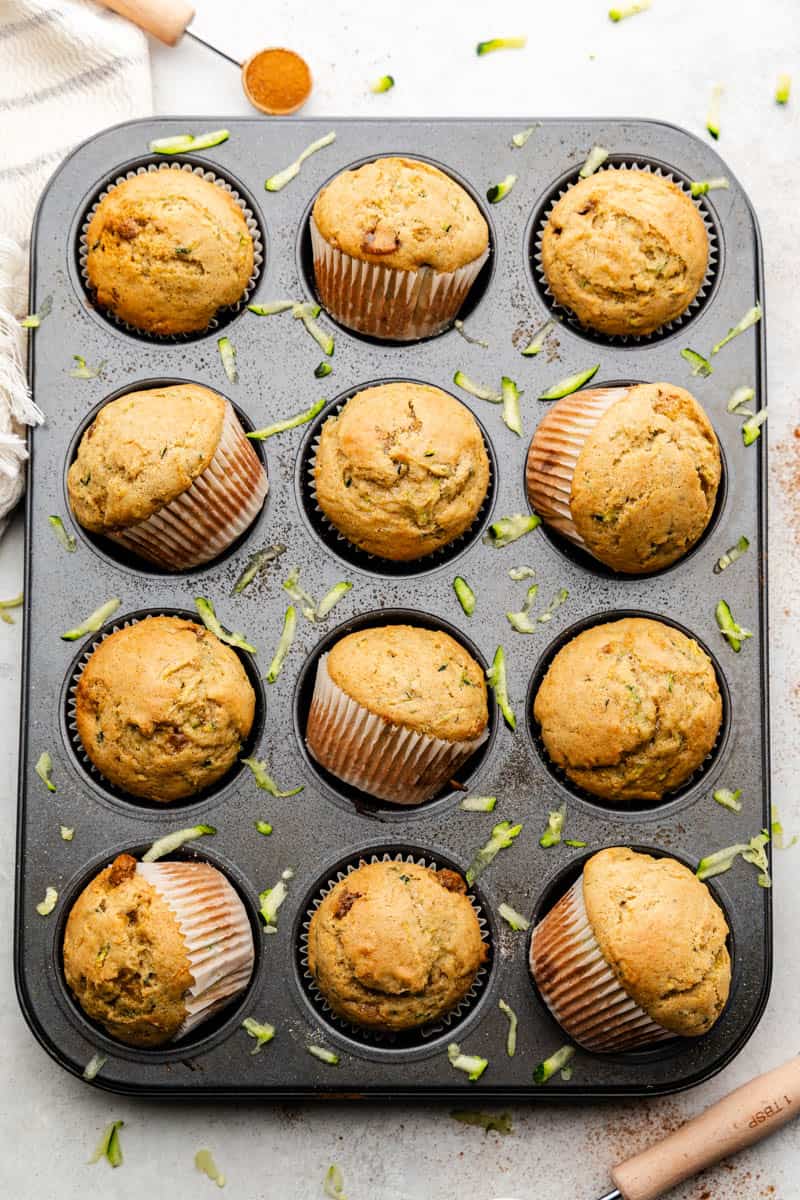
(165, 19)
(747, 1115)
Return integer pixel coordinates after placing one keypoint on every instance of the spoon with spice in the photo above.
(275, 81)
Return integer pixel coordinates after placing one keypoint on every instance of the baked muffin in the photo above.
(635, 952)
(397, 246)
(162, 708)
(151, 950)
(629, 474)
(396, 711)
(401, 470)
(629, 709)
(394, 945)
(625, 250)
(169, 474)
(167, 249)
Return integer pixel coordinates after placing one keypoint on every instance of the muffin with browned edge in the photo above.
(152, 950)
(166, 250)
(397, 246)
(629, 709)
(396, 711)
(625, 250)
(629, 474)
(634, 953)
(162, 708)
(168, 473)
(395, 945)
(401, 470)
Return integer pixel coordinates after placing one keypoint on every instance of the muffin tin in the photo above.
(328, 827)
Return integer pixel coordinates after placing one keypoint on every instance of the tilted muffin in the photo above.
(629, 709)
(397, 246)
(169, 474)
(162, 708)
(625, 250)
(635, 952)
(166, 250)
(396, 711)
(151, 950)
(629, 474)
(395, 945)
(402, 470)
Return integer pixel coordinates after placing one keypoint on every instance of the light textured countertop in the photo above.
(660, 65)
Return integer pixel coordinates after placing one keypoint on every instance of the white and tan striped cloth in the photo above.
(67, 70)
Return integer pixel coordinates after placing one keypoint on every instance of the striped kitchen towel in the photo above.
(67, 70)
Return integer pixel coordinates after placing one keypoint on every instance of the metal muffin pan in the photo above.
(327, 827)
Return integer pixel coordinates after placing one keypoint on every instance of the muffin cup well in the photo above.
(569, 317)
(363, 558)
(400, 1039)
(579, 987)
(385, 302)
(221, 504)
(554, 451)
(387, 761)
(216, 933)
(222, 314)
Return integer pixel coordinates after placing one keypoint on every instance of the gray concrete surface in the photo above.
(662, 65)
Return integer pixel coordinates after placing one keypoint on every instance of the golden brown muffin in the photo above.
(625, 250)
(663, 934)
(402, 470)
(640, 479)
(125, 958)
(395, 945)
(401, 213)
(421, 679)
(166, 250)
(162, 708)
(141, 451)
(137, 948)
(629, 709)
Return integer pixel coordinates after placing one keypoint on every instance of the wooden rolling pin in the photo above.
(165, 19)
(752, 1112)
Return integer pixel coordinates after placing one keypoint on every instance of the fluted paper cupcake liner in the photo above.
(216, 933)
(203, 521)
(390, 762)
(422, 1032)
(386, 302)
(554, 451)
(433, 557)
(222, 313)
(568, 316)
(579, 987)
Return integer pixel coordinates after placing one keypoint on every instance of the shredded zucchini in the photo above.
(286, 639)
(187, 143)
(173, 841)
(209, 618)
(260, 435)
(93, 622)
(280, 180)
(266, 783)
(502, 837)
(472, 1064)
(570, 384)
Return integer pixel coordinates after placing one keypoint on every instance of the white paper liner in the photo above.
(252, 226)
(216, 932)
(422, 1032)
(390, 762)
(213, 512)
(554, 451)
(568, 316)
(579, 987)
(434, 557)
(386, 302)
(72, 724)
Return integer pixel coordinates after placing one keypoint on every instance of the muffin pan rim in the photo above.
(692, 1067)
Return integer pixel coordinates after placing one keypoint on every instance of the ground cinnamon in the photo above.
(276, 81)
